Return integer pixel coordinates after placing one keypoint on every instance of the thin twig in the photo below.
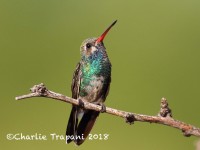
(164, 117)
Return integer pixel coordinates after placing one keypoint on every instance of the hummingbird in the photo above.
(91, 83)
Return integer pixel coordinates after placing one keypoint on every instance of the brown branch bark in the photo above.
(164, 117)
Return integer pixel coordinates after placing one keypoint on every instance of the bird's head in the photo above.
(93, 45)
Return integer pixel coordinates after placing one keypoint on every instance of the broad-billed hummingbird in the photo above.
(91, 82)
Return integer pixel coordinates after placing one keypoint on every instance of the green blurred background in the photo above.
(154, 49)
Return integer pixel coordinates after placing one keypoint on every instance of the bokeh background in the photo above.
(154, 49)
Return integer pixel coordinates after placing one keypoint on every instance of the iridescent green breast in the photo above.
(92, 68)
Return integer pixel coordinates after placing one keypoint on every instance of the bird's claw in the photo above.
(80, 103)
(103, 108)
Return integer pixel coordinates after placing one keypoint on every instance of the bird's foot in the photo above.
(103, 108)
(80, 103)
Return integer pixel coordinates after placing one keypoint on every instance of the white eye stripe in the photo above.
(93, 49)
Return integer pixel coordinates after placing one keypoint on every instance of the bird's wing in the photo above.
(75, 87)
(107, 89)
(73, 119)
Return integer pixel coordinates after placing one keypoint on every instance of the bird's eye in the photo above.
(88, 45)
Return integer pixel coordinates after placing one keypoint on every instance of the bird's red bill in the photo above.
(100, 39)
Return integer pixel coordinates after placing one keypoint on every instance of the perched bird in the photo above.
(91, 82)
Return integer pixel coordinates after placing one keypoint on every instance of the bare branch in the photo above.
(164, 117)
(197, 144)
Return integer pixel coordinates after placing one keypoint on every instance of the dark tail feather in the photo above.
(72, 124)
(86, 125)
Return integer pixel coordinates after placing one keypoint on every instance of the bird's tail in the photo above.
(72, 124)
(85, 125)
